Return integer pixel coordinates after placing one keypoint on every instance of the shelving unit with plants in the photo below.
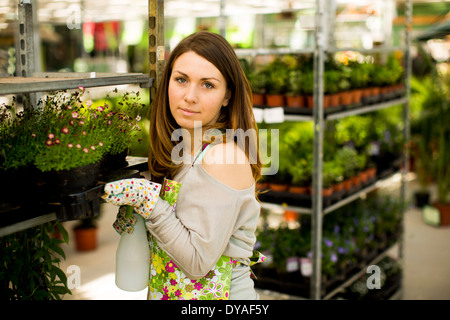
(62, 131)
(320, 155)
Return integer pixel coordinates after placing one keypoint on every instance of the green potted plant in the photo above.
(120, 119)
(75, 141)
(308, 86)
(258, 78)
(347, 158)
(277, 73)
(437, 112)
(345, 96)
(294, 91)
(19, 138)
(331, 87)
(30, 268)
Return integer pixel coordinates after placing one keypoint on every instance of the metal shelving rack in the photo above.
(319, 117)
(29, 82)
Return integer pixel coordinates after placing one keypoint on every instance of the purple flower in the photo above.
(328, 242)
(334, 257)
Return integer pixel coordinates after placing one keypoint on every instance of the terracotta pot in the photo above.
(333, 100)
(310, 101)
(444, 209)
(290, 215)
(345, 98)
(298, 189)
(275, 100)
(295, 101)
(347, 184)
(258, 99)
(355, 181)
(356, 95)
(279, 187)
(338, 186)
(85, 238)
(326, 192)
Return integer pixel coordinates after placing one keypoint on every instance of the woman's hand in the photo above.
(142, 194)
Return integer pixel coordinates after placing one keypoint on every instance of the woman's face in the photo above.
(197, 91)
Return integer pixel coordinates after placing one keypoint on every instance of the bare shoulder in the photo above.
(228, 163)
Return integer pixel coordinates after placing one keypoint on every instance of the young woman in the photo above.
(204, 144)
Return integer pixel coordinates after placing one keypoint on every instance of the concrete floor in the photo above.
(426, 261)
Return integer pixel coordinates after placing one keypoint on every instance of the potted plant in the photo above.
(347, 158)
(345, 97)
(359, 78)
(258, 79)
(86, 234)
(30, 268)
(277, 73)
(19, 138)
(75, 141)
(331, 87)
(294, 92)
(308, 87)
(437, 111)
(120, 119)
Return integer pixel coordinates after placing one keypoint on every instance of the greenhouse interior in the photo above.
(351, 101)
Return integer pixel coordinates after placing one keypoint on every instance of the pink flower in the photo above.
(78, 146)
(92, 147)
(70, 145)
(74, 114)
(65, 130)
(100, 144)
(51, 136)
(81, 122)
(138, 118)
(57, 141)
(198, 286)
(100, 109)
(89, 103)
(84, 133)
(33, 135)
(49, 142)
(85, 150)
(81, 88)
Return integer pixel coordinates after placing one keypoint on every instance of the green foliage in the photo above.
(30, 264)
(19, 136)
(75, 134)
(331, 81)
(65, 132)
(277, 74)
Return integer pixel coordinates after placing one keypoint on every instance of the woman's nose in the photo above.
(191, 95)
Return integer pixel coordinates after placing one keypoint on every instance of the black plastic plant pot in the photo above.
(80, 205)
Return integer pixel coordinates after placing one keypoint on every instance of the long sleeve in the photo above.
(210, 219)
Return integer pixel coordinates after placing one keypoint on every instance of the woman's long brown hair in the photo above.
(237, 115)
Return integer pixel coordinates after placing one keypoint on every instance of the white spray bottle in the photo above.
(133, 257)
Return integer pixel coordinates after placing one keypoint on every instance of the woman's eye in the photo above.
(209, 85)
(180, 80)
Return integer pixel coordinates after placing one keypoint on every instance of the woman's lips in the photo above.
(188, 112)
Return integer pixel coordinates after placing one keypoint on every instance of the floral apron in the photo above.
(168, 282)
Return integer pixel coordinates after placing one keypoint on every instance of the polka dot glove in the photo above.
(142, 194)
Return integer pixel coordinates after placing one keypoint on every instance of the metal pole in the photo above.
(26, 53)
(156, 42)
(406, 122)
(316, 219)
